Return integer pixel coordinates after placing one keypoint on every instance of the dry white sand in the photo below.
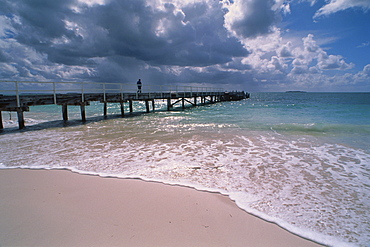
(61, 208)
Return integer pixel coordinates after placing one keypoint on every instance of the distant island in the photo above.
(296, 92)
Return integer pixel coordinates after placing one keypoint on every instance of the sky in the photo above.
(250, 45)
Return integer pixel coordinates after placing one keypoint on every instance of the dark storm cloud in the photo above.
(258, 18)
(124, 28)
(39, 21)
(167, 37)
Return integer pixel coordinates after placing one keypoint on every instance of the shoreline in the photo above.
(64, 208)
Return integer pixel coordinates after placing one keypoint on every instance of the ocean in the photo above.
(301, 160)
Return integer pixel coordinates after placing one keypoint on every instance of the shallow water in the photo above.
(301, 160)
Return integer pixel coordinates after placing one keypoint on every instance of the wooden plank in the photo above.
(193, 104)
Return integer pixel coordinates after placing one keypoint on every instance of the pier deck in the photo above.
(20, 100)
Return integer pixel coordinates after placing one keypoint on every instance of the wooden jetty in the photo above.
(21, 98)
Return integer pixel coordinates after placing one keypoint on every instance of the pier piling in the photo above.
(65, 112)
(122, 109)
(130, 105)
(169, 104)
(20, 118)
(1, 121)
(147, 106)
(105, 110)
(83, 112)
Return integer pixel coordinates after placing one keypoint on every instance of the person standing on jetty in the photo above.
(139, 84)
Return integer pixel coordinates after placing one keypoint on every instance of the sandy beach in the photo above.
(62, 208)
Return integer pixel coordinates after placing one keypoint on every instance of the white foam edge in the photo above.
(241, 199)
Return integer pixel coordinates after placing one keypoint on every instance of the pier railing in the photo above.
(18, 88)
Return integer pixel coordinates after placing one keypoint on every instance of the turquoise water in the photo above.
(301, 160)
